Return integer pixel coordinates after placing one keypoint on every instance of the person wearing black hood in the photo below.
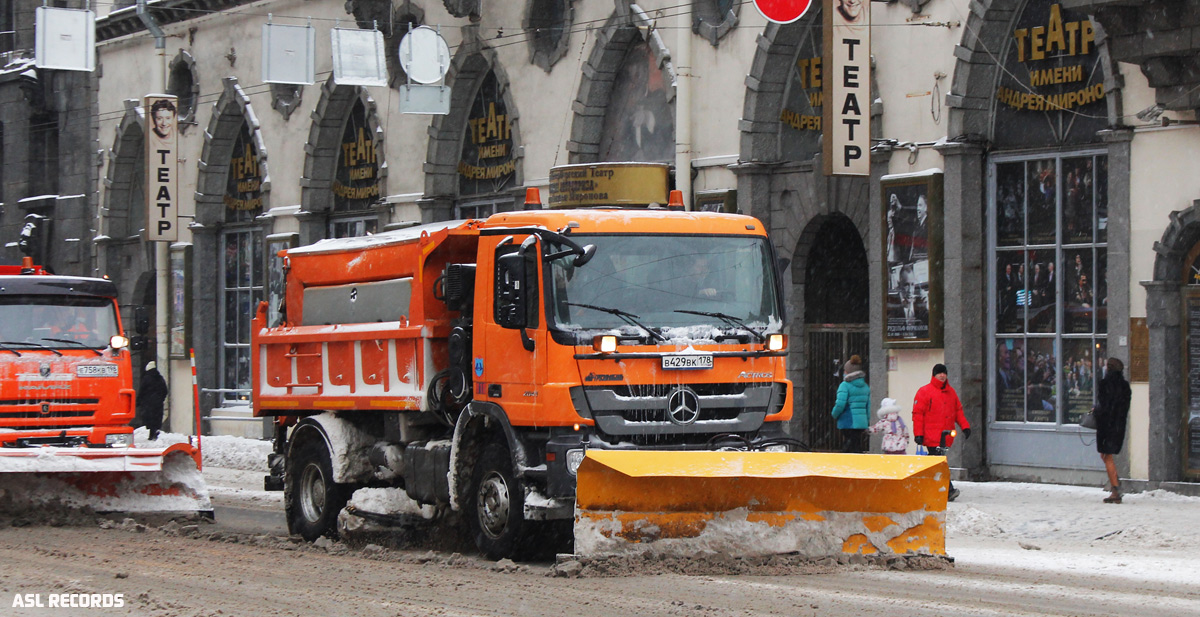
(151, 394)
(936, 409)
(1112, 414)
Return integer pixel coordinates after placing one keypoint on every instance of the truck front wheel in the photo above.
(312, 499)
(496, 508)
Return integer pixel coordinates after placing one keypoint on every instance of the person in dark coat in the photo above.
(1112, 415)
(150, 397)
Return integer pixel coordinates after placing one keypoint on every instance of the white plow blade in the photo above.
(134, 480)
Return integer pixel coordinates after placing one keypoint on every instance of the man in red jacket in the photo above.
(936, 409)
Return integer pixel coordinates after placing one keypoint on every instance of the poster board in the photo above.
(911, 217)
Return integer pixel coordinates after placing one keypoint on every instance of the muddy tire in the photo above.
(495, 508)
(311, 498)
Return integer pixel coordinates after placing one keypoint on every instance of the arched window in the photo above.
(639, 123)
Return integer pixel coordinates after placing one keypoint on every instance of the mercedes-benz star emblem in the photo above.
(683, 407)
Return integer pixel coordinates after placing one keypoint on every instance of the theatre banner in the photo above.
(162, 168)
(1051, 90)
(847, 88)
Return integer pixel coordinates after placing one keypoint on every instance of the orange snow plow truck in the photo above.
(621, 368)
(66, 401)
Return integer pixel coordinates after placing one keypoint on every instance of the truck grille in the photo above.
(640, 411)
(45, 415)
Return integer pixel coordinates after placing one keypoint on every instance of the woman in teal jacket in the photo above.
(853, 407)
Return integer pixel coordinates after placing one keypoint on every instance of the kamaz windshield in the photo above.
(670, 285)
(56, 321)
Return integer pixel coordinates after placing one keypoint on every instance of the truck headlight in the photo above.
(605, 343)
(779, 447)
(119, 439)
(118, 342)
(574, 459)
(776, 342)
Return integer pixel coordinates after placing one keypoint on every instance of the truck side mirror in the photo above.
(141, 320)
(515, 300)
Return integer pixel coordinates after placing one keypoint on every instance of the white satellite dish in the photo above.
(424, 55)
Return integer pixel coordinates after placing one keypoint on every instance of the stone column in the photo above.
(1164, 313)
(964, 293)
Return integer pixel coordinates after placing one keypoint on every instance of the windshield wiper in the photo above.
(84, 345)
(625, 316)
(3, 347)
(729, 320)
(57, 352)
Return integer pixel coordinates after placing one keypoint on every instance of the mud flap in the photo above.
(760, 503)
(133, 480)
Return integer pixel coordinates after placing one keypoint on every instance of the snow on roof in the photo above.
(359, 243)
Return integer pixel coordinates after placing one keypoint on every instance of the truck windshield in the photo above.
(653, 278)
(32, 319)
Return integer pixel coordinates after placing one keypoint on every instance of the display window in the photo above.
(1048, 314)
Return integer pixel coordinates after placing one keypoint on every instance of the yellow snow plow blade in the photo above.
(760, 503)
(133, 480)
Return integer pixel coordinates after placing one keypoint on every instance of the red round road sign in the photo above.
(783, 11)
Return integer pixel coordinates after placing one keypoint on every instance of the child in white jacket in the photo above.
(895, 431)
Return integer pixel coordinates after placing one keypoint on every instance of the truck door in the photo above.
(512, 367)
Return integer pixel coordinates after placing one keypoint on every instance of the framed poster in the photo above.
(181, 300)
(277, 243)
(911, 217)
(715, 201)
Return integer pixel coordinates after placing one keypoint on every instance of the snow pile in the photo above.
(389, 501)
(1144, 536)
(223, 451)
(969, 521)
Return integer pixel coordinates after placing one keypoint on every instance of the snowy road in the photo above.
(1021, 549)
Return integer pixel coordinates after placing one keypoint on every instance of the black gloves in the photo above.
(920, 440)
(966, 433)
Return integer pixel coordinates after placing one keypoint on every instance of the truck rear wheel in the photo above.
(496, 504)
(312, 499)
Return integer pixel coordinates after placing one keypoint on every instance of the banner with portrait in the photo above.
(912, 259)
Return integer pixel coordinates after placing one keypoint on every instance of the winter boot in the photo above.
(1115, 497)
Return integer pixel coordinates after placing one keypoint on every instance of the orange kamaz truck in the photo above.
(67, 399)
(475, 362)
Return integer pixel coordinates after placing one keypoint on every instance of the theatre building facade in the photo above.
(1026, 212)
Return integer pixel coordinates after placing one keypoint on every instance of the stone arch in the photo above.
(766, 86)
(126, 158)
(710, 22)
(323, 147)
(123, 211)
(627, 23)
(971, 103)
(544, 48)
(972, 88)
(470, 65)
(229, 112)
(1165, 318)
(794, 198)
(184, 82)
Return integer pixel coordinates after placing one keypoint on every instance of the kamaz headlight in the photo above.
(574, 459)
(779, 447)
(119, 439)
